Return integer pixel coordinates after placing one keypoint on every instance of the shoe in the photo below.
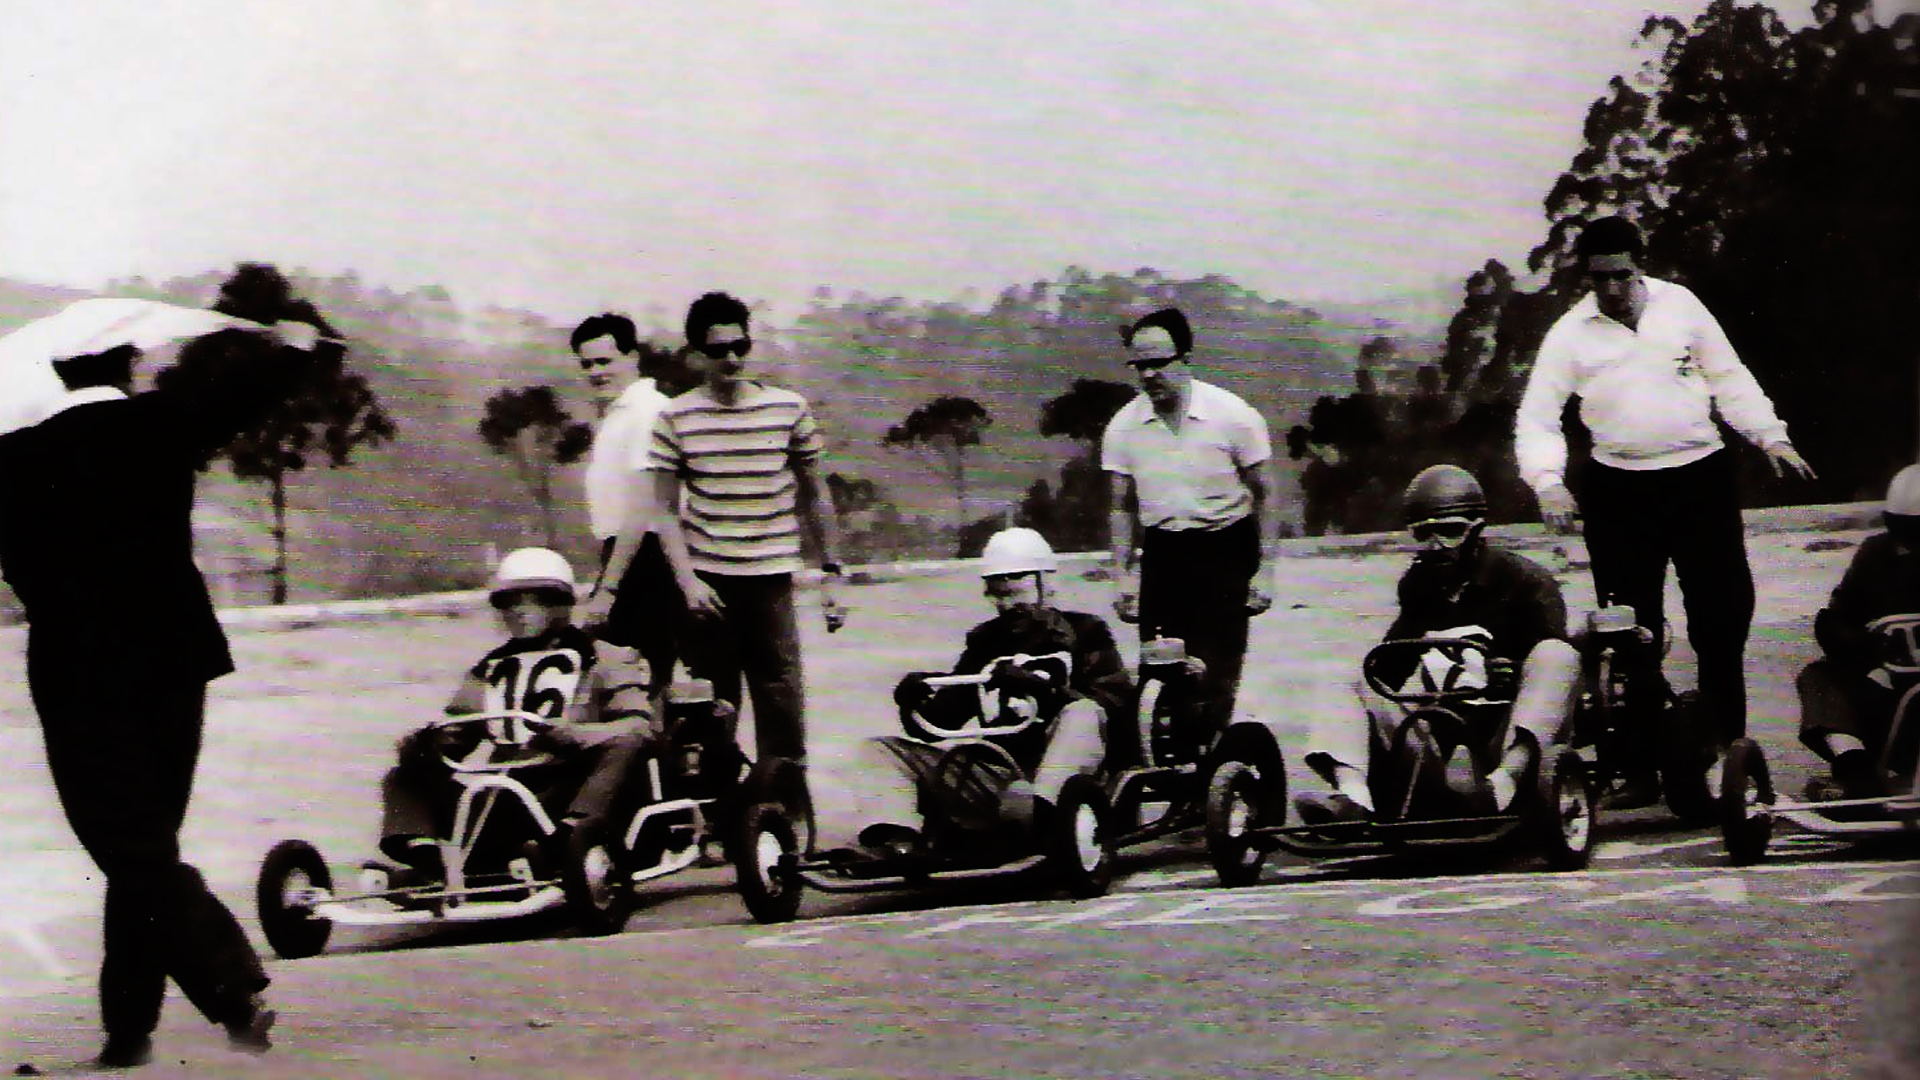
(125, 1052)
(1316, 808)
(249, 1033)
(890, 839)
(1854, 772)
(1632, 793)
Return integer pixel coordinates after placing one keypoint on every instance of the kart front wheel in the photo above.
(599, 894)
(782, 781)
(763, 852)
(1079, 844)
(1746, 793)
(1235, 807)
(288, 876)
(1566, 811)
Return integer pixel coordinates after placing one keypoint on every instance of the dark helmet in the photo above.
(1443, 491)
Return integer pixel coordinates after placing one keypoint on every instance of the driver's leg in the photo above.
(1845, 720)
(1344, 750)
(1543, 706)
(1073, 748)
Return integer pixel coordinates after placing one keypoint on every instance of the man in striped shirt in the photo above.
(746, 455)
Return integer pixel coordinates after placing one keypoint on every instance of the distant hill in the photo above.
(424, 511)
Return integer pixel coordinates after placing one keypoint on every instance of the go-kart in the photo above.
(1749, 806)
(960, 774)
(1246, 803)
(1615, 652)
(1166, 792)
(498, 858)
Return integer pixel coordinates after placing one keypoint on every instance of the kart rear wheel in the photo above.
(1236, 806)
(782, 781)
(290, 869)
(1566, 808)
(1079, 845)
(1746, 795)
(594, 877)
(766, 842)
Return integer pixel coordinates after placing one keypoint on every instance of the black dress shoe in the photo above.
(125, 1052)
(249, 1033)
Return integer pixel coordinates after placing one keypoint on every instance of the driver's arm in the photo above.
(1841, 626)
(469, 697)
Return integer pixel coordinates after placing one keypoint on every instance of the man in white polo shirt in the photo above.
(1652, 369)
(1188, 463)
(641, 608)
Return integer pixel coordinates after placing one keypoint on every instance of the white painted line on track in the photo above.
(1629, 849)
(36, 947)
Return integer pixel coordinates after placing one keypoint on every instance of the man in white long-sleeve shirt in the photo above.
(1652, 368)
(642, 609)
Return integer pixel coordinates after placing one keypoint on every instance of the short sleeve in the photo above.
(664, 452)
(1115, 454)
(1252, 446)
(804, 444)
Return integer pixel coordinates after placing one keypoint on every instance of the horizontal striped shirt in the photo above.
(735, 464)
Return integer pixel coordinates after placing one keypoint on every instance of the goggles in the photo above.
(1446, 530)
(546, 596)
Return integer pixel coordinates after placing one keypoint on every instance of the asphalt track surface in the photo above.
(1658, 961)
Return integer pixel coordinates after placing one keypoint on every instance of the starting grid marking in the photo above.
(1868, 883)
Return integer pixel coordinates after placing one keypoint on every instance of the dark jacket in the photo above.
(96, 531)
(1883, 579)
(1099, 673)
(1514, 598)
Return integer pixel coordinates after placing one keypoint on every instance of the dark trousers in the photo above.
(1193, 586)
(1638, 522)
(1834, 703)
(122, 754)
(756, 639)
(647, 609)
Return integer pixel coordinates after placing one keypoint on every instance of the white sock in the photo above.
(1504, 787)
(1352, 783)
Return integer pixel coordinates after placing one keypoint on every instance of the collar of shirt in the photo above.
(1199, 404)
(1588, 306)
(636, 392)
(88, 395)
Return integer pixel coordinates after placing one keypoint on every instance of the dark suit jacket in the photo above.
(96, 534)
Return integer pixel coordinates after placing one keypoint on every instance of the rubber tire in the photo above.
(603, 911)
(1080, 797)
(1744, 835)
(1234, 786)
(292, 933)
(770, 896)
(1151, 690)
(782, 781)
(1254, 744)
(1558, 774)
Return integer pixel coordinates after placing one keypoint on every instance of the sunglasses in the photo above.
(545, 597)
(1156, 363)
(1451, 530)
(738, 347)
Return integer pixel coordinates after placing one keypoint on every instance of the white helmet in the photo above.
(1016, 551)
(1903, 494)
(533, 568)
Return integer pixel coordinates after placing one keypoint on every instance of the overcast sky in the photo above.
(592, 153)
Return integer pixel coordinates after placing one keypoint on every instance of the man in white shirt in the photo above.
(1652, 370)
(1188, 462)
(641, 609)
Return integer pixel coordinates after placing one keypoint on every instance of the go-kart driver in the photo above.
(596, 695)
(1848, 697)
(1073, 677)
(1458, 586)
